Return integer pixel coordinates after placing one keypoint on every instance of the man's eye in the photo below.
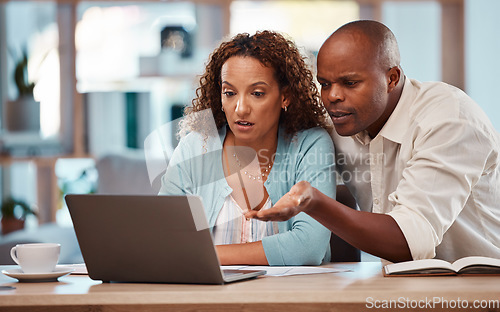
(324, 84)
(350, 83)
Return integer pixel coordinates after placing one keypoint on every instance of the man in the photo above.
(421, 159)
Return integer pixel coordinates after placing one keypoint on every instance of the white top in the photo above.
(231, 226)
(434, 168)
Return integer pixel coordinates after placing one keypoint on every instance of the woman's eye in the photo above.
(228, 93)
(258, 93)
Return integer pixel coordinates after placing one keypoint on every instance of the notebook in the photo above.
(148, 238)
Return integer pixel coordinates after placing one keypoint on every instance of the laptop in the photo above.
(148, 238)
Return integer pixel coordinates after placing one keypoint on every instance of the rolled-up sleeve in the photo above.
(447, 160)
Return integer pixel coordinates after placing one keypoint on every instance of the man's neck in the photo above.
(392, 102)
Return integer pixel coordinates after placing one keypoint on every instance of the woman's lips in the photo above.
(244, 125)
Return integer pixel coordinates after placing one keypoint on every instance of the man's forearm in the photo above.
(377, 234)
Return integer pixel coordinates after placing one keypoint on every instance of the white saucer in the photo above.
(38, 277)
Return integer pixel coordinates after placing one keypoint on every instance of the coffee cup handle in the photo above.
(13, 254)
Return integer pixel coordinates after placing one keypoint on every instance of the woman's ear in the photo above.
(285, 97)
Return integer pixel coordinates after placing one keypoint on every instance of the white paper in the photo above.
(285, 270)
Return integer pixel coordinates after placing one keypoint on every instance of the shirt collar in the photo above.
(362, 137)
(395, 127)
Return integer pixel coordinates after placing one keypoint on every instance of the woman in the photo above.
(268, 136)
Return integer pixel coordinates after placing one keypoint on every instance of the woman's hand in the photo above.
(298, 199)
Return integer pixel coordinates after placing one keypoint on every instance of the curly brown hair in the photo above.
(273, 50)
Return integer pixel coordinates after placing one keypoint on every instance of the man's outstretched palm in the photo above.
(293, 202)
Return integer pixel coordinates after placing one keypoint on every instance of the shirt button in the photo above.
(376, 201)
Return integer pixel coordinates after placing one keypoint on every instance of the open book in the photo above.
(426, 267)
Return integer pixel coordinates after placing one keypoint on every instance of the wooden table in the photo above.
(362, 289)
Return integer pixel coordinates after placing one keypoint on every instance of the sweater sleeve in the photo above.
(176, 180)
(305, 241)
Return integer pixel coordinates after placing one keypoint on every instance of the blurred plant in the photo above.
(85, 183)
(14, 208)
(24, 86)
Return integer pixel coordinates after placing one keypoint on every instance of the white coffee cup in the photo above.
(36, 258)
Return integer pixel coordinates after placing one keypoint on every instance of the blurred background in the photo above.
(82, 80)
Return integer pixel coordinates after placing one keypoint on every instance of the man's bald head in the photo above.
(382, 41)
(360, 77)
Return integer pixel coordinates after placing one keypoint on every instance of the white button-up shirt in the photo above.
(433, 167)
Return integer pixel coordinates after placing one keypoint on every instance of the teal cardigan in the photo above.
(196, 169)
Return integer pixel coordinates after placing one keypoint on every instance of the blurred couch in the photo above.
(125, 173)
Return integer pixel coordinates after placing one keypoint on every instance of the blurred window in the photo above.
(417, 26)
(482, 50)
(112, 37)
(31, 28)
(309, 23)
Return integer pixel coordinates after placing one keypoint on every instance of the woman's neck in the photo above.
(264, 150)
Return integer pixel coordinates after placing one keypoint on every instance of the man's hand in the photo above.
(293, 202)
(375, 233)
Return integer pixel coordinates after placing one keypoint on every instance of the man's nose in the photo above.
(335, 94)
